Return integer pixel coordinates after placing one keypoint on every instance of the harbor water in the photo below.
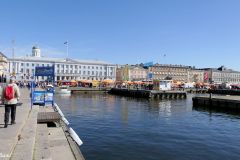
(121, 128)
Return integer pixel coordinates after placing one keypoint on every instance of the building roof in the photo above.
(58, 60)
(3, 55)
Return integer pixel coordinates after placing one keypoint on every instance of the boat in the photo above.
(63, 90)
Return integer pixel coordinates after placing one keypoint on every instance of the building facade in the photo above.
(137, 73)
(196, 75)
(222, 75)
(131, 73)
(173, 72)
(65, 68)
(3, 67)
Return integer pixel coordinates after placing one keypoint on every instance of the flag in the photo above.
(205, 76)
(66, 42)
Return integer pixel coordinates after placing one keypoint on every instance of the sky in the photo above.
(201, 33)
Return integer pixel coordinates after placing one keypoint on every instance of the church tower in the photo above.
(36, 52)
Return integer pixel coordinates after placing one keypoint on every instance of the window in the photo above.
(79, 67)
(48, 65)
(96, 67)
(84, 72)
(71, 66)
(75, 66)
(100, 67)
(37, 65)
(58, 65)
(32, 64)
(79, 72)
(84, 67)
(88, 67)
(22, 64)
(66, 66)
(22, 70)
(92, 72)
(88, 72)
(27, 64)
(43, 65)
(32, 70)
(92, 67)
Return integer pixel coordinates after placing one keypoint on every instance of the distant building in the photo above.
(122, 73)
(170, 72)
(65, 68)
(3, 67)
(131, 73)
(222, 75)
(196, 75)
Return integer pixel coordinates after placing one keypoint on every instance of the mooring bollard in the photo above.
(210, 95)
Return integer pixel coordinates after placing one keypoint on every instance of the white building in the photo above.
(65, 68)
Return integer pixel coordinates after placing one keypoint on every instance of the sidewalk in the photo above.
(9, 136)
(28, 139)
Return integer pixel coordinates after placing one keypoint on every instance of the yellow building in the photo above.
(3, 65)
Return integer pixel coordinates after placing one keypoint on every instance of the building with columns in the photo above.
(65, 68)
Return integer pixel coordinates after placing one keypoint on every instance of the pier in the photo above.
(153, 94)
(225, 91)
(88, 90)
(224, 103)
(39, 133)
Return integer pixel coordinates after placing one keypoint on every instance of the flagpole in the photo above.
(67, 48)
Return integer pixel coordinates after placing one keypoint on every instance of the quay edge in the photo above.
(153, 94)
(224, 103)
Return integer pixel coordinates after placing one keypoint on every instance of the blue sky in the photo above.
(202, 33)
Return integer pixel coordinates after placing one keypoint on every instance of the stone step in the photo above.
(42, 149)
(59, 146)
(25, 145)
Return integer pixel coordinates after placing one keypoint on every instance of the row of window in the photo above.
(66, 66)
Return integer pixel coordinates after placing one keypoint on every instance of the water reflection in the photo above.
(165, 108)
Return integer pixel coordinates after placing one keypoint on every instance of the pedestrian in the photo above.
(10, 97)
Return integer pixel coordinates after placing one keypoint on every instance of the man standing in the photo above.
(10, 96)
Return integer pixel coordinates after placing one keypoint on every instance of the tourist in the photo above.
(10, 97)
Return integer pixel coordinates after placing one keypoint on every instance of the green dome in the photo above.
(35, 47)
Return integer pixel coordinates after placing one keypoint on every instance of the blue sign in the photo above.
(42, 97)
(149, 64)
(44, 71)
(38, 97)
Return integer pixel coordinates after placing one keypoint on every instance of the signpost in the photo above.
(42, 97)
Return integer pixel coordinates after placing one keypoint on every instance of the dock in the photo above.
(38, 134)
(223, 103)
(225, 91)
(88, 90)
(153, 94)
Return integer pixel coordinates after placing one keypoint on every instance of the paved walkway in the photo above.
(27, 140)
(9, 136)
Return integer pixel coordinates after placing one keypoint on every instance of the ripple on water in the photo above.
(114, 127)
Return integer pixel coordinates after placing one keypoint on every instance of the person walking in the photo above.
(10, 97)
